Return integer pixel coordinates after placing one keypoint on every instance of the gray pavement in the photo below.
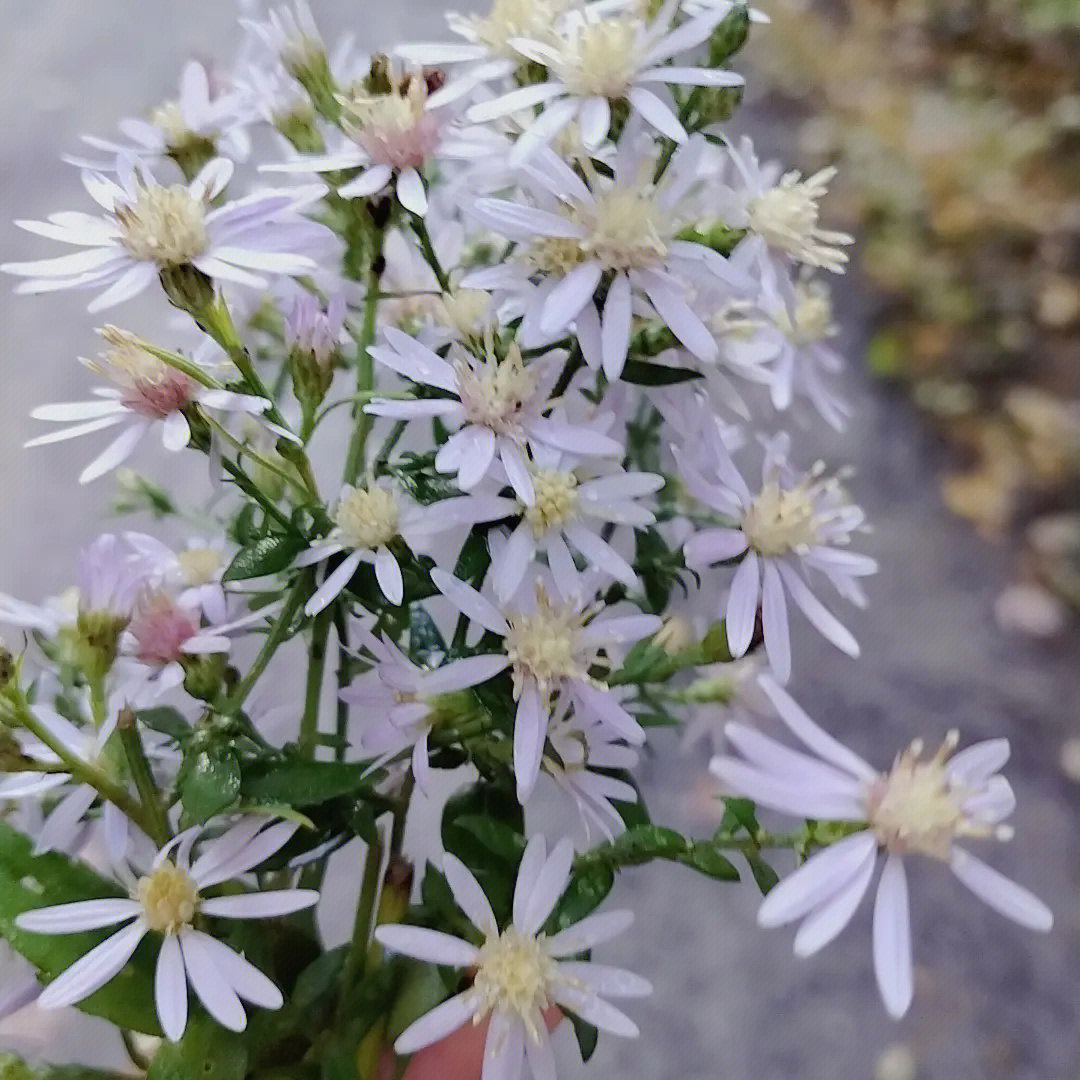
(992, 1002)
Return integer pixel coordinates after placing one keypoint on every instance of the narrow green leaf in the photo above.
(267, 555)
(304, 783)
(644, 373)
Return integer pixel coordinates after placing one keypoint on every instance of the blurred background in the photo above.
(956, 128)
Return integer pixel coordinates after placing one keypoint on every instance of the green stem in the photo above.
(362, 924)
(428, 251)
(270, 646)
(309, 723)
(250, 488)
(344, 672)
(365, 370)
(246, 451)
(181, 364)
(98, 779)
(139, 767)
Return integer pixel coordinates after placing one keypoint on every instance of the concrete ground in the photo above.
(993, 1002)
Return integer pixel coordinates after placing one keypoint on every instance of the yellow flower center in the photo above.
(509, 19)
(601, 58)
(782, 520)
(812, 321)
(556, 500)
(494, 393)
(625, 232)
(367, 517)
(513, 974)
(543, 644)
(170, 118)
(915, 808)
(169, 898)
(165, 225)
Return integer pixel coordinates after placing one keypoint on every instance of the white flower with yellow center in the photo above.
(596, 58)
(170, 900)
(497, 404)
(794, 523)
(923, 805)
(622, 233)
(551, 643)
(149, 227)
(521, 972)
(783, 209)
(576, 499)
(143, 393)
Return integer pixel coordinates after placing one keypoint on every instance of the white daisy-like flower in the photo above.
(391, 136)
(622, 231)
(520, 971)
(197, 122)
(585, 756)
(144, 392)
(165, 901)
(195, 572)
(394, 700)
(782, 208)
(552, 643)
(290, 34)
(368, 519)
(575, 498)
(795, 523)
(149, 227)
(724, 693)
(497, 404)
(923, 805)
(595, 59)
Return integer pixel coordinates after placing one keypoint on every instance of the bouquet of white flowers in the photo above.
(482, 359)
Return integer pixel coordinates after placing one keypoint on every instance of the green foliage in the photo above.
(209, 783)
(266, 555)
(206, 1052)
(29, 881)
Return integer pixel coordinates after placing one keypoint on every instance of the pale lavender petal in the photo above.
(1002, 894)
(94, 969)
(469, 896)
(892, 939)
(437, 1024)
(433, 946)
(742, 605)
(170, 989)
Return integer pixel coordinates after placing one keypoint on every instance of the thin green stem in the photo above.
(250, 488)
(246, 451)
(428, 251)
(362, 924)
(309, 722)
(139, 768)
(365, 371)
(274, 639)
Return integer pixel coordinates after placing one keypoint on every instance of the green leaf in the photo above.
(267, 555)
(645, 373)
(707, 860)
(167, 721)
(587, 891)
(30, 881)
(319, 980)
(738, 813)
(305, 783)
(206, 1052)
(764, 875)
(211, 784)
(729, 36)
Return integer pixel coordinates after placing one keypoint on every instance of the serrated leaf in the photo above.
(305, 783)
(211, 784)
(31, 881)
(644, 373)
(267, 555)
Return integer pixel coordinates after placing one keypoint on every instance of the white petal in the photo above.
(1001, 893)
(411, 193)
(656, 112)
(595, 1010)
(616, 326)
(568, 297)
(437, 1024)
(742, 605)
(388, 574)
(822, 925)
(594, 119)
(431, 945)
(539, 1054)
(609, 981)
(469, 896)
(114, 454)
(260, 905)
(592, 930)
(170, 989)
(548, 887)
(203, 970)
(94, 969)
(175, 431)
(78, 917)
(469, 602)
(532, 862)
(246, 980)
(332, 587)
(774, 621)
(530, 731)
(892, 939)
(976, 764)
(817, 880)
(828, 625)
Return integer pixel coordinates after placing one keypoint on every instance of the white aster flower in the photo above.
(595, 59)
(793, 524)
(166, 900)
(290, 34)
(782, 208)
(395, 699)
(197, 122)
(552, 642)
(575, 498)
(194, 572)
(520, 971)
(143, 392)
(149, 227)
(623, 232)
(497, 404)
(922, 805)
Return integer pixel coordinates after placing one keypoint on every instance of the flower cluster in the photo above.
(539, 316)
